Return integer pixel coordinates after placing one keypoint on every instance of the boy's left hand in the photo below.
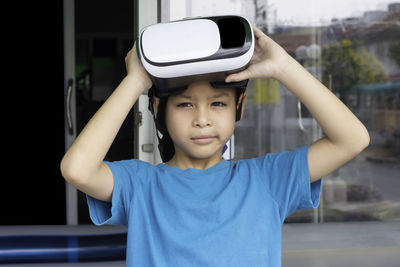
(269, 59)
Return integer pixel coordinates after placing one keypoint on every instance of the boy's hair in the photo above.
(165, 143)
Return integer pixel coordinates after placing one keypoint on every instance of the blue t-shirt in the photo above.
(228, 215)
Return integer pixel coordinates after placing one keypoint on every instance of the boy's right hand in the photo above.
(134, 68)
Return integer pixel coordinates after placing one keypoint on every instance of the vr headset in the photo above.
(178, 53)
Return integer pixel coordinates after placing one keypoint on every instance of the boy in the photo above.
(197, 209)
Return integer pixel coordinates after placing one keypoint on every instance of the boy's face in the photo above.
(201, 120)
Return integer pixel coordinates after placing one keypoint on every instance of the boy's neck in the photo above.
(186, 163)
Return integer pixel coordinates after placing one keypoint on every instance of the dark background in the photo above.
(32, 189)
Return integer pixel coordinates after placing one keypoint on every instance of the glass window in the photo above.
(354, 50)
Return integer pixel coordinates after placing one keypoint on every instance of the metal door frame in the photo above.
(70, 102)
(149, 12)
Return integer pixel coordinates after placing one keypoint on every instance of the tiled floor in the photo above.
(367, 244)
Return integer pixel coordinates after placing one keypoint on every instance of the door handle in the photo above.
(68, 106)
(299, 116)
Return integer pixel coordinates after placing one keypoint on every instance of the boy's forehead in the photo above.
(204, 88)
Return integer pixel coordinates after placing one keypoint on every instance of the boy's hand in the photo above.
(269, 59)
(134, 68)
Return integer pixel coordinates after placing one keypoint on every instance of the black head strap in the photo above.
(165, 144)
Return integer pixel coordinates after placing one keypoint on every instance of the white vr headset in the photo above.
(178, 53)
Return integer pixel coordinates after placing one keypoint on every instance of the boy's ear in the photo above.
(241, 103)
(156, 102)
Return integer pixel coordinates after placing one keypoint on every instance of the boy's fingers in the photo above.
(257, 32)
(240, 76)
(245, 74)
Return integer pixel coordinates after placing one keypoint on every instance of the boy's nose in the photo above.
(202, 118)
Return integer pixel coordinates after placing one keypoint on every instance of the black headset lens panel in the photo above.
(232, 32)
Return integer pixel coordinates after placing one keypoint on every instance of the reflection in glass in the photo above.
(354, 50)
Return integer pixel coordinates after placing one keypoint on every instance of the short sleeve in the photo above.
(288, 181)
(116, 211)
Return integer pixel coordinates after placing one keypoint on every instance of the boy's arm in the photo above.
(82, 165)
(345, 137)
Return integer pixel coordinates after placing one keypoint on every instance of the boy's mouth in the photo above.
(203, 139)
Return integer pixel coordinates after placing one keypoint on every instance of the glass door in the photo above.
(353, 48)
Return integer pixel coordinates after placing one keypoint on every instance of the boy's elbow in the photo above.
(66, 170)
(365, 139)
(71, 172)
(362, 141)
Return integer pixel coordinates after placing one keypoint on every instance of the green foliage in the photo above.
(346, 64)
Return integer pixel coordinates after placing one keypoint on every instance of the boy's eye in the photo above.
(218, 104)
(184, 105)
